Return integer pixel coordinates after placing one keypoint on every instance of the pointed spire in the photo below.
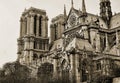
(25, 9)
(79, 11)
(72, 4)
(65, 14)
(83, 7)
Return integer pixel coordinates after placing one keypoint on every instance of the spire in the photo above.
(65, 11)
(25, 9)
(79, 11)
(83, 7)
(84, 13)
(72, 4)
(106, 11)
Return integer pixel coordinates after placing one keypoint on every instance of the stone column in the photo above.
(55, 69)
(21, 23)
(43, 27)
(24, 27)
(77, 74)
(26, 43)
(59, 30)
(19, 50)
(52, 33)
(31, 49)
(117, 43)
(117, 38)
(46, 27)
(37, 29)
(31, 43)
(98, 43)
(107, 43)
(28, 24)
(72, 70)
(93, 33)
(46, 44)
(26, 52)
(32, 24)
(38, 44)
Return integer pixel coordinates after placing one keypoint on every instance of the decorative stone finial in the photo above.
(72, 4)
(83, 7)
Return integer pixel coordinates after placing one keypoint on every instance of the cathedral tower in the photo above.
(57, 27)
(105, 10)
(33, 40)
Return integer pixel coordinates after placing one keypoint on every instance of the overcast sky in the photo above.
(11, 10)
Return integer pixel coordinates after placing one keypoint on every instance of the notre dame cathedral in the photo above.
(82, 47)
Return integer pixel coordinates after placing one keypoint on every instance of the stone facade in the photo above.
(83, 47)
(33, 41)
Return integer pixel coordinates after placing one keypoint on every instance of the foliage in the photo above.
(104, 79)
(45, 72)
(14, 73)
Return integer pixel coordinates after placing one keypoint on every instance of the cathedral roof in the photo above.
(32, 9)
(60, 16)
(93, 17)
(80, 44)
(115, 21)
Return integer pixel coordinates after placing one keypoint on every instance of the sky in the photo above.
(11, 10)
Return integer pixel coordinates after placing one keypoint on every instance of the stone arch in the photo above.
(63, 63)
(65, 70)
(84, 70)
(35, 56)
(35, 24)
(41, 55)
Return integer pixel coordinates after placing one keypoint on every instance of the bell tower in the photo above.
(33, 40)
(105, 10)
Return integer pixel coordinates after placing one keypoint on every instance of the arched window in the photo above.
(56, 32)
(65, 71)
(40, 56)
(40, 26)
(35, 18)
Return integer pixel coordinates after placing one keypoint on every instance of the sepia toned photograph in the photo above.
(60, 41)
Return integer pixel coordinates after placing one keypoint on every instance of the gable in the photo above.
(72, 17)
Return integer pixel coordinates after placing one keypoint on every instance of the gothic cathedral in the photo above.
(82, 47)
